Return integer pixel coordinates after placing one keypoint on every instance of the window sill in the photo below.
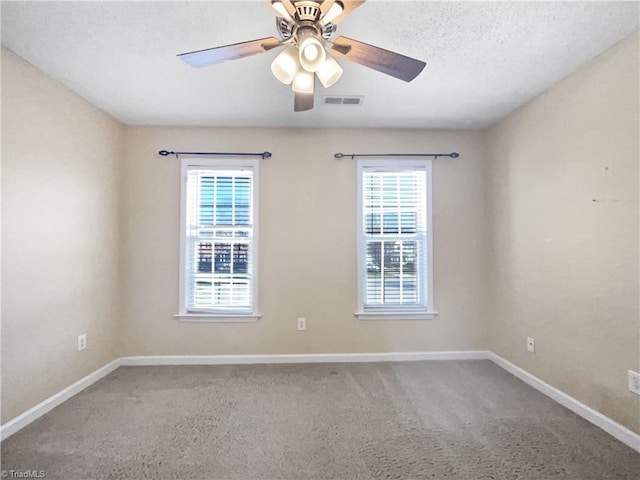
(217, 317)
(395, 315)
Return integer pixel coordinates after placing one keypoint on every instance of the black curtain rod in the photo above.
(434, 155)
(262, 155)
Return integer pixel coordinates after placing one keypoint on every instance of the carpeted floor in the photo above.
(437, 420)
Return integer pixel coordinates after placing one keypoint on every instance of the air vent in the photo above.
(350, 100)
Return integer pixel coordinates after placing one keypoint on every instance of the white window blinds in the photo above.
(219, 240)
(394, 236)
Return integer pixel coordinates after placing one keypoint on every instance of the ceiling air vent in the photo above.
(350, 100)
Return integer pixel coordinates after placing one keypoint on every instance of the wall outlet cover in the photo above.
(531, 345)
(82, 342)
(302, 323)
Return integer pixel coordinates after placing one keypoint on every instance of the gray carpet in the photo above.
(436, 420)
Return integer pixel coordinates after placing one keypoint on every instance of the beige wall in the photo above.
(564, 251)
(307, 264)
(59, 236)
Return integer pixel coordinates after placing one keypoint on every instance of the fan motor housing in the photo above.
(307, 10)
(285, 28)
(307, 15)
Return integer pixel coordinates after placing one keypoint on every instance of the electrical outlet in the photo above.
(634, 382)
(82, 342)
(302, 323)
(531, 345)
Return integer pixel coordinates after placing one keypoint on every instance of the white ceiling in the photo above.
(484, 59)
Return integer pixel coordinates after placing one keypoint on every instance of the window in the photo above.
(218, 244)
(394, 240)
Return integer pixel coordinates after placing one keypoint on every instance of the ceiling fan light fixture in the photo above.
(312, 54)
(306, 29)
(303, 82)
(286, 65)
(329, 72)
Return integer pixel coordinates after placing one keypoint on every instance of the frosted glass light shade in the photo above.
(303, 82)
(329, 72)
(312, 54)
(285, 66)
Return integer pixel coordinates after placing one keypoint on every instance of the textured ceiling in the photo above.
(484, 59)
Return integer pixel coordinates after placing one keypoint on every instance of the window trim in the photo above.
(217, 316)
(395, 313)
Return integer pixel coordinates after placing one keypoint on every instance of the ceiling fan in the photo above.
(306, 28)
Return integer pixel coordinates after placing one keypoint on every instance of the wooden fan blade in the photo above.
(347, 7)
(385, 61)
(288, 6)
(302, 102)
(325, 6)
(212, 56)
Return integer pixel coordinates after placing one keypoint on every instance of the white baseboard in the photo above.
(301, 358)
(618, 431)
(614, 429)
(56, 399)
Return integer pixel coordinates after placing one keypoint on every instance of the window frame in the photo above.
(217, 315)
(410, 312)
